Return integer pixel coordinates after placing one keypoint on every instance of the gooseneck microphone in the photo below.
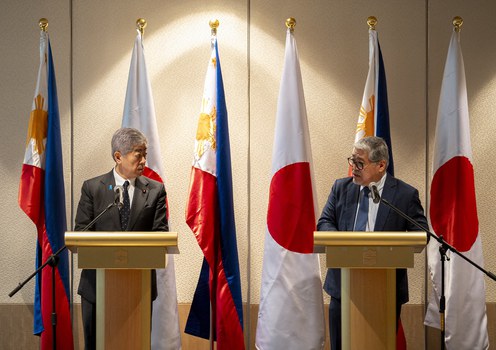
(119, 196)
(374, 192)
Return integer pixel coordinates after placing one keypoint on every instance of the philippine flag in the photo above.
(373, 119)
(210, 215)
(42, 198)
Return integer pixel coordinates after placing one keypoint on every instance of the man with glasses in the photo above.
(351, 208)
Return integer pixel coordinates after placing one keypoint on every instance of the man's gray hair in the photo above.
(376, 148)
(125, 140)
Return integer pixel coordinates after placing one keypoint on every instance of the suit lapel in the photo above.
(108, 181)
(388, 193)
(139, 200)
(351, 205)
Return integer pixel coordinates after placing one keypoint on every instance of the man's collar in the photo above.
(379, 184)
(119, 180)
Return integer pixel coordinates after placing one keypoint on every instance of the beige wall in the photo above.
(333, 45)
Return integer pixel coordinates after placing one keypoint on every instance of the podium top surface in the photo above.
(376, 238)
(120, 239)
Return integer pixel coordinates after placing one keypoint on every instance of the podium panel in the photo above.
(123, 263)
(368, 262)
(123, 309)
(370, 310)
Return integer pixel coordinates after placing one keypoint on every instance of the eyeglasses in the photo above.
(359, 165)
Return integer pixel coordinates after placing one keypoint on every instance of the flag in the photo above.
(373, 119)
(139, 113)
(453, 214)
(210, 215)
(42, 198)
(291, 292)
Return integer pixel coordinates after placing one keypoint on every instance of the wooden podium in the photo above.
(368, 281)
(123, 261)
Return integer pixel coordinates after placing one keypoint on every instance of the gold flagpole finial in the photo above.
(457, 23)
(291, 23)
(141, 25)
(43, 23)
(214, 24)
(372, 22)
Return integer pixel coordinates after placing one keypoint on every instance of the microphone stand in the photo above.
(53, 261)
(443, 248)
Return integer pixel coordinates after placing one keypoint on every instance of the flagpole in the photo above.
(214, 24)
(54, 258)
(457, 23)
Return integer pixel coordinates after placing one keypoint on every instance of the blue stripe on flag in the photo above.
(55, 216)
(37, 317)
(224, 187)
(198, 323)
(383, 111)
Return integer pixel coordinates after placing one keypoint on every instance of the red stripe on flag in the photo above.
(291, 214)
(202, 212)
(453, 209)
(228, 328)
(31, 202)
(30, 191)
(64, 331)
(202, 216)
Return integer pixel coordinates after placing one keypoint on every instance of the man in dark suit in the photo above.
(145, 210)
(369, 161)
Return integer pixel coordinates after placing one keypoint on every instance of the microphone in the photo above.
(119, 196)
(374, 192)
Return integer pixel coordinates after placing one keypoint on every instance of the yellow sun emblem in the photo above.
(367, 125)
(38, 126)
(206, 132)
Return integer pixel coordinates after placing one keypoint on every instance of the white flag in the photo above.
(291, 314)
(453, 214)
(139, 113)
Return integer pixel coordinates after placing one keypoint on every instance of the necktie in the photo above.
(363, 211)
(126, 207)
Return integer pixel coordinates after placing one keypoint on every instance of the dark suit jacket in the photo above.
(148, 213)
(339, 215)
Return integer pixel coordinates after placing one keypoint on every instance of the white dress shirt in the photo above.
(119, 181)
(373, 207)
